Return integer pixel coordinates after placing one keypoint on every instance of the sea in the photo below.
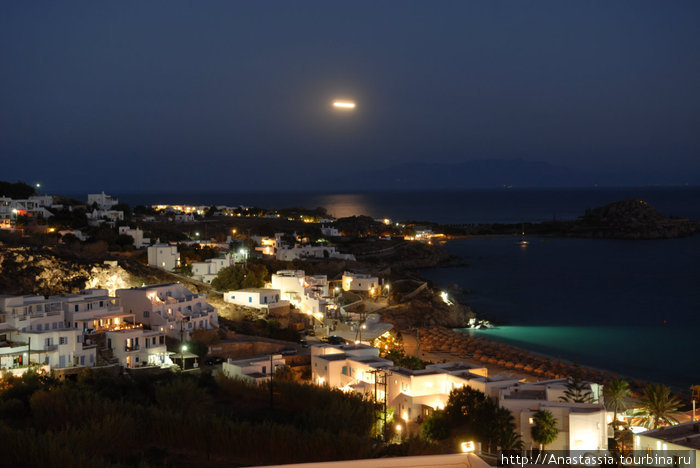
(629, 307)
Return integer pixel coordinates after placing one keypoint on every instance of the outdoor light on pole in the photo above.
(182, 355)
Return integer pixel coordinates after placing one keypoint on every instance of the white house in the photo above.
(163, 256)
(582, 426)
(76, 232)
(678, 443)
(39, 323)
(136, 347)
(34, 206)
(208, 270)
(103, 202)
(359, 282)
(99, 216)
(330, 231)
(310, 251)
(268, 245)
(184, 218)
(307, 293)
(137, 235)
(170, 308)
(255, 369)
(258, 298)
(414, 394)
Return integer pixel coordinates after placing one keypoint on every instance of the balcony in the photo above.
(131, 348)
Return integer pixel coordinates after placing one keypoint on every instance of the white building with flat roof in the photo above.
(136, 347)
(359, 282)
(582, 426)
(307, 293)
(268, 245)
(258, 298)
(103, 202)
(37, 324)
(254, 369)
(679, 443)
(415, 394)
(207, 270)
(164, 256)
(310, 251)
(136, 234)
(170, 308)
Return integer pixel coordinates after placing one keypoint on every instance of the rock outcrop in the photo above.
(630, 219)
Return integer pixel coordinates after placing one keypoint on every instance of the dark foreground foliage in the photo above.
(177, 420)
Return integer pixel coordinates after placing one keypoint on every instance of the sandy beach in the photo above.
(438, 344)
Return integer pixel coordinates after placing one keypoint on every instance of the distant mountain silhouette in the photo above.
(490, 173)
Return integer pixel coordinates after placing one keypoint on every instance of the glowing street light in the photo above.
(467, 446)
(182, 354)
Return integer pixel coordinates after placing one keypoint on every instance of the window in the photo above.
(82, 360)
(345, 370)
(55, 325)
(250, 299)
(102, 303)
(146, 313)
(76, 308)
(63, 340)
(38, 327)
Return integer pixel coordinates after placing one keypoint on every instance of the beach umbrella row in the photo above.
(441, 339)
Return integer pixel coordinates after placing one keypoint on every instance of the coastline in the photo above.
(560, 359)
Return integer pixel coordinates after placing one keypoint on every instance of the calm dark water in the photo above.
(629, 306)
(449, 207)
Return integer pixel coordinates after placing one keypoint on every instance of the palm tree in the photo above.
(544, 431)
(657, 406)
(511, 442)
(616, 393)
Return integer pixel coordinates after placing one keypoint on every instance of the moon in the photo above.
(344, 104)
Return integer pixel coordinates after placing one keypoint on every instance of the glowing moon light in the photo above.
(348, 105)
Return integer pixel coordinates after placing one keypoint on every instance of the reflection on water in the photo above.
(346, 204)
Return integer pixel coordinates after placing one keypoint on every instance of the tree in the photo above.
(616, 393)
(18, 190)
(252, 275)
(577, 391)
(511, 442)
(657, 406)
(473, 415)
(544, 430)
(436, 427)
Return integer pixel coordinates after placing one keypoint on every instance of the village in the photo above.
(252, 294)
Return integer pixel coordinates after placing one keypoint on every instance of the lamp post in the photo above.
(183, 348)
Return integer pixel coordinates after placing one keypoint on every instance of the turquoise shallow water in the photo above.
(631, 307)
(664, 354)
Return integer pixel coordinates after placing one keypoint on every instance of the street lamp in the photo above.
(467, 446)
(183, 348)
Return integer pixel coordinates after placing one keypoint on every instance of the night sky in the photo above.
(195, 96)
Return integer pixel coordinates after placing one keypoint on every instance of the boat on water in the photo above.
(522, 242)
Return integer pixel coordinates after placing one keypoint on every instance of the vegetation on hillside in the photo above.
(250, 275)
(177, 419)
